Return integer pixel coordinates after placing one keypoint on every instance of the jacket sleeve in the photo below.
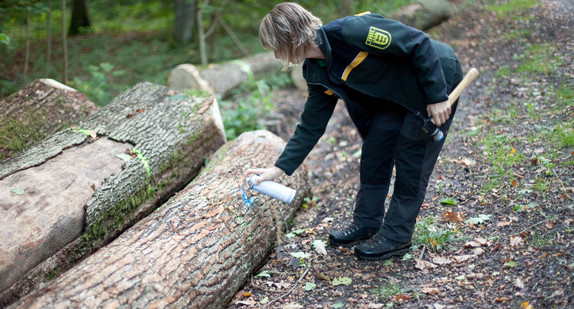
(389, 38)
(314, 119)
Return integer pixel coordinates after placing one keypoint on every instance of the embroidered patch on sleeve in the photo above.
(378, 38)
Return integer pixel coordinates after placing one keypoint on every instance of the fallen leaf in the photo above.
(526, 305)
(472, 244)
(464, 161)
(441, 261)
(402, 297)
(342, 281)
(319, 246)
(477, 251)
(478, 220)
(515, 241)
(309, 286)
(518, 283)
(448, 201)
(453, 216)
(462, 258)
(424, 265)
(320, 275)
(430, 291)
(511, 264)
(282, 285)
(549, 224)
(249, 302)
(501, 299)
(483, 241)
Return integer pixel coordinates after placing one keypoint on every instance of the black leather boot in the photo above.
(351, 235)
(380, 248)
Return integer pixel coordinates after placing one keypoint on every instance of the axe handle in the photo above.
(468, 78)
(428, 124)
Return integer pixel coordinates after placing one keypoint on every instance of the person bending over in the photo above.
(385, 72)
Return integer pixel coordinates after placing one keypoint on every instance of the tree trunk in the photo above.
(64, 42)
(41, 108)
(103, 175)
(193, 252)
(185, 19)
(222, 77)
(80, 18)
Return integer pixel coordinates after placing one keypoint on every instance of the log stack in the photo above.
(97, 178)
(193, 252)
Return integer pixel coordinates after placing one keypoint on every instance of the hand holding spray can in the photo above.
(273, 189)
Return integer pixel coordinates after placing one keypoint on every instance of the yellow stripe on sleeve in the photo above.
(358, 59)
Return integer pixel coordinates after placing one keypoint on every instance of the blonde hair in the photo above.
(288, 29)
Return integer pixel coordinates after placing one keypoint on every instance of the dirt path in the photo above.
(496, 227)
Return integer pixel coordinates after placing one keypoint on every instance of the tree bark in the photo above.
(80, 22)
(153, 141)
(220, 78)
(41, 108)
(185, 19)
(193, 252)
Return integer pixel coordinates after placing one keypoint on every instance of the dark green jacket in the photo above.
(379, 57)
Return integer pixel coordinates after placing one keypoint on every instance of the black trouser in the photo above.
(393, 137)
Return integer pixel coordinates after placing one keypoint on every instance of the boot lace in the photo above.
(350, 229)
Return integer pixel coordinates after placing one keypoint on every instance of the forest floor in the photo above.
(496, 229)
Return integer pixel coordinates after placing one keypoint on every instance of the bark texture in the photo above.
(41, 108)
(222, 77)
(193, 252)
(162, 139)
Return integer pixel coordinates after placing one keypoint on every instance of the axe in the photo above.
(428, 124)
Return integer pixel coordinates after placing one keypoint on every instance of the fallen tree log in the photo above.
(423, 14)
(41, 108)
(99, 177)
(195, 251)
(220, 78)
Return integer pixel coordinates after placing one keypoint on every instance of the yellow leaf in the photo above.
(526, 305)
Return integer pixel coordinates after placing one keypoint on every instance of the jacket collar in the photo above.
(325, 46)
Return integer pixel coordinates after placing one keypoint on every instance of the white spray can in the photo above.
(273, 189)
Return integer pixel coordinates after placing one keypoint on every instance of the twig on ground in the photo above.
(290, 290)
